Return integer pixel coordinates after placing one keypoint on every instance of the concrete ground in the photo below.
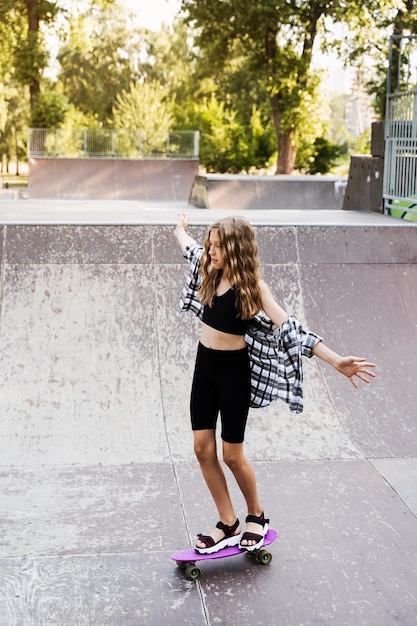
(98, 484)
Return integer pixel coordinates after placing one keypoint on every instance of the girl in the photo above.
(224, 288)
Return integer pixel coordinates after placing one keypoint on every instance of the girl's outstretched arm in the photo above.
(180, 231)
(349, 366)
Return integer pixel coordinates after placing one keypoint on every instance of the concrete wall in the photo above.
(112, 179)
(366, 176)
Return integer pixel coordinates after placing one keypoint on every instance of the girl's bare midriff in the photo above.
(217, 340)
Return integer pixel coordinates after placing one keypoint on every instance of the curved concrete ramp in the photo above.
(98, 480)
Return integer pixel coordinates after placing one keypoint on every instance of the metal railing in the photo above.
(138, 144)
(400, 163)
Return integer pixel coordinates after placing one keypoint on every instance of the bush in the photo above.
(320, 157)
(50, 110)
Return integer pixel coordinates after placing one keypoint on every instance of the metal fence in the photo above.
(400, 164)
(70, 143)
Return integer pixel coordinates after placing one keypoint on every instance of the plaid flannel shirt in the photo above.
(275, 354)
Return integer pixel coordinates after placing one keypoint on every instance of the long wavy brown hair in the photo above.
(241, 266)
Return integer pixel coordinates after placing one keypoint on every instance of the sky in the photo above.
(151, 13)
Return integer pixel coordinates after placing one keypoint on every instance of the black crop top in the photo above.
(223, 315)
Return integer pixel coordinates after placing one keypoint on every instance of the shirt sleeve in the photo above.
(192, 254)
(275, 356)
(189, 300)
(296, 336)
(308, 341)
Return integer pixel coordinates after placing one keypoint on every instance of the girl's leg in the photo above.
(206, 452)
(242, 470)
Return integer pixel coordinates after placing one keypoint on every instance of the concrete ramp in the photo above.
(111, 179)
(98, 481)
(219, 191)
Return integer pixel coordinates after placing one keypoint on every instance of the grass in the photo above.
(12, 180)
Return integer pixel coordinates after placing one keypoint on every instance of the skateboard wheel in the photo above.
(181, 564)
(192, 572)
(264, 557)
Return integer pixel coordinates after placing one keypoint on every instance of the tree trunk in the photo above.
(287, 150)
(33, 18)
(33, 22)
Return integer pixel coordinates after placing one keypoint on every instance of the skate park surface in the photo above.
(98, 479)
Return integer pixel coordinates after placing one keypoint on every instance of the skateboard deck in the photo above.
(187, 559)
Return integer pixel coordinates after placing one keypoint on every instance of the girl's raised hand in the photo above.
(183, 220)
(182, 236)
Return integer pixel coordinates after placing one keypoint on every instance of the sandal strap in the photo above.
(251, 537)
(257, 520)
(207, 540)
(229, 531)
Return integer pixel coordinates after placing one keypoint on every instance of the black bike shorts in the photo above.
(221, 384)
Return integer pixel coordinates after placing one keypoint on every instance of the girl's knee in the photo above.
(233, 456)
(203, 454)
(204, 449)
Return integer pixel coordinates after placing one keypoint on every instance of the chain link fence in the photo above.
(127, 144)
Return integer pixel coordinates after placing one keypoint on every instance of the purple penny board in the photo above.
(189, 557)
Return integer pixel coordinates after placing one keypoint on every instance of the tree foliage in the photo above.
(96, 58)
(145, 106)
(368, 44)
(14, 97)
(277, 39)
(227, 108)
(50, 110)
(25, 18)
(240, 71)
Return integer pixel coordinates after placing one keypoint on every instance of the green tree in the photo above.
(145, 106)
(277, 39)
(97, 57)
(30, 55)
(50, 110)
(168, 57)
(14, 100)
(220, 101)
(320, 156)
(13, 123)
(146, 110)
(226, 145)
(220, 134)
(368, 43)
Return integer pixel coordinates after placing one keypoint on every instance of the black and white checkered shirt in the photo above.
(275, 354)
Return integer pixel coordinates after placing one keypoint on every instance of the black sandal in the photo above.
(252, 536)
(230, 539)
